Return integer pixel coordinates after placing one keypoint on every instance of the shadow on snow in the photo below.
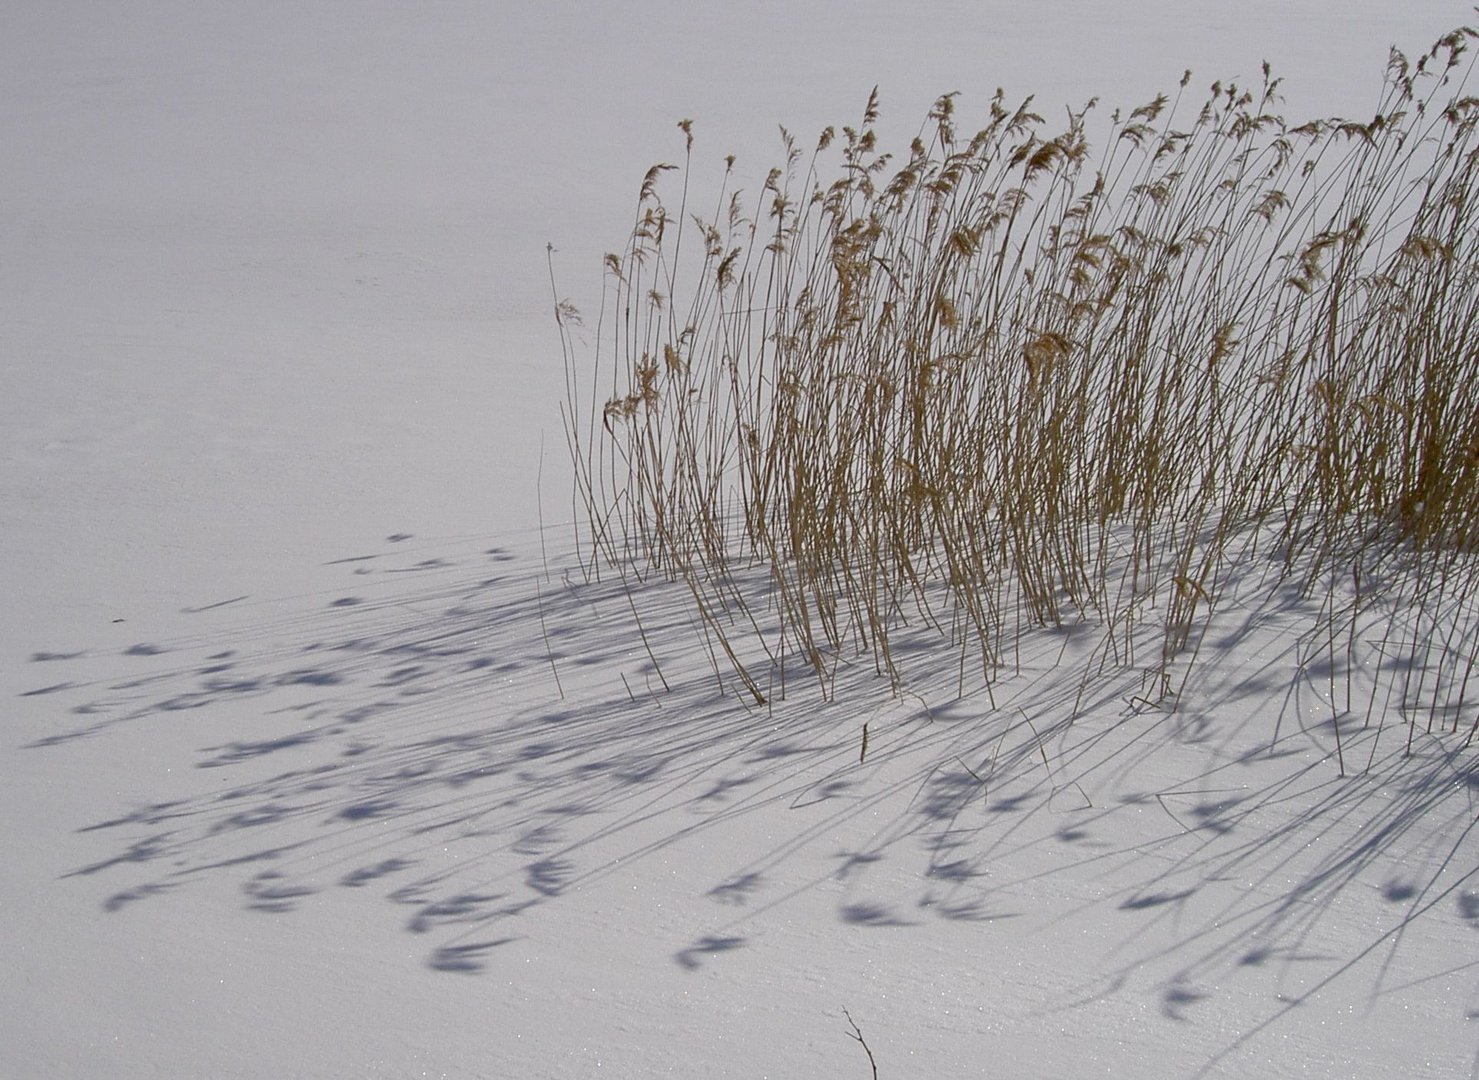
(408, 738)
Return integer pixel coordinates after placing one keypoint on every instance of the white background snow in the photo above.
(287, 788)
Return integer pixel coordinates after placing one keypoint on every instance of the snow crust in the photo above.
(288, 786)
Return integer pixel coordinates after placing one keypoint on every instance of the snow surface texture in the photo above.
(289, 786)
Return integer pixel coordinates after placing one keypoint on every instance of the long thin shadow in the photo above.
(413, 747)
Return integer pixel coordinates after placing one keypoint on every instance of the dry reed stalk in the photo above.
(1030, 386)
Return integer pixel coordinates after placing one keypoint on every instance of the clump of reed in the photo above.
(1028, 376)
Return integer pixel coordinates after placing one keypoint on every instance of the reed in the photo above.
(1023, 376)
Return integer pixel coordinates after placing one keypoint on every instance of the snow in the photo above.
(288, 784)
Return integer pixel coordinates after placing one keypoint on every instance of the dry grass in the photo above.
(1026, 377)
